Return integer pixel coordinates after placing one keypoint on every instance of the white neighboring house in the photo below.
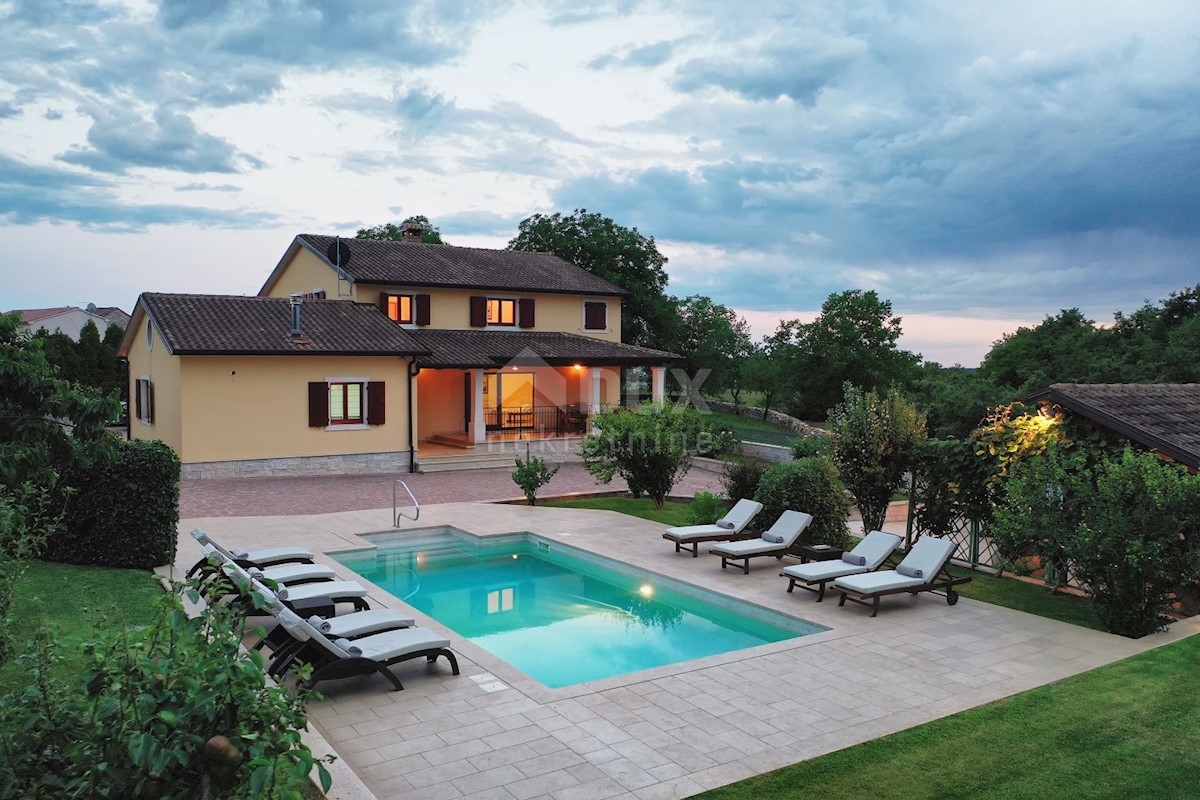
(64, 319)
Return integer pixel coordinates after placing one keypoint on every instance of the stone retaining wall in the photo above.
(304, 465)
(767, 452)
(774, 417)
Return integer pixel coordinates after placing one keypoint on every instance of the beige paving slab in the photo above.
(669, 732)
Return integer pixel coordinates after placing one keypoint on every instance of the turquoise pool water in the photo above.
(559, 618)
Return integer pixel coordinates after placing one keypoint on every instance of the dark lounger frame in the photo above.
(948, 583)
(793, 581)
(327, 667)
(695, 542)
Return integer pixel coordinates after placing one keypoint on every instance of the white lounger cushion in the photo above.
(789, 525)
(393, 644)
(286, 573)
(821, 570)
(737, 519)
(269, 554)
(877, 582)
(875, 547)
(360, 623)
(929, 555)
(333, 589)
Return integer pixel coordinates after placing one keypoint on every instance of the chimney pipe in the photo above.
(296, 301)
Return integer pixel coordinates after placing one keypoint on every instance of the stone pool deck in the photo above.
(673, 731)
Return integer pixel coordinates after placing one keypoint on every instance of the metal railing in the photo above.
(396, 514)
(540, 420)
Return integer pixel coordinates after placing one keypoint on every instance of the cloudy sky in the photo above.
(980, 164)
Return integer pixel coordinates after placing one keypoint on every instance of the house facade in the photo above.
(63, 319)
(380, 356)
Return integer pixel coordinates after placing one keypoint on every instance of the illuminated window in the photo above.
(345, 403)
(501, 600)
(400, 308)
(501, 312)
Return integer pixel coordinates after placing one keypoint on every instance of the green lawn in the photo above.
(76, 602)
(1127, 730)
(1030, 597)
(673, 513)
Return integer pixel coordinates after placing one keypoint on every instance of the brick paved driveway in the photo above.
(243, 497)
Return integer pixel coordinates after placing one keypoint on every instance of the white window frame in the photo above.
(351, 426)
(607, 317)
(143, 399)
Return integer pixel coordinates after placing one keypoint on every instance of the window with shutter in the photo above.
(398, 307)
(501, 311)
(144, 401)
(595, 316)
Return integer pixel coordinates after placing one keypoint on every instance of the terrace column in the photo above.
(594, 403)
(477, 430)
(658, 384)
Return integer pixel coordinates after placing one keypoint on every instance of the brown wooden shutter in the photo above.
(595, 316)
(137, 401)
(478, 312)
(525, 312)
(318, 404)
(422, 309)
(150, 401)
(383, 302)
(375, 403)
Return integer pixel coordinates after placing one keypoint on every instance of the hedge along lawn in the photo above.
(1126, 730)
(75, 603)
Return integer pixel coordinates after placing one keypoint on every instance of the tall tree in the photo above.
(391, 230)
(1065, 348)
(714, 338)
(618, 254)
(853, 340)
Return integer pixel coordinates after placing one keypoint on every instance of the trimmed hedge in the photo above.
(124, 511)
(811, 485)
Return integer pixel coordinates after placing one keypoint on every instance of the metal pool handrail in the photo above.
(396, 515)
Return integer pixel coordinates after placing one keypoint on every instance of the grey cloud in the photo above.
(52, 114)
(120, 138)
(467, 223)
(645, 57)
(8, 110)
(797, 67)
(248, 84)
(32, 193)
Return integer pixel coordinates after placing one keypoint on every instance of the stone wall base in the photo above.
(355, 464)
(564, 450)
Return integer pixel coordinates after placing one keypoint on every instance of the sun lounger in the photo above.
(729, 527)
(331, 592)
(776, 541)
(344, 658)
(922, 570)
(296, 574)
(867, 556)
(268, 557)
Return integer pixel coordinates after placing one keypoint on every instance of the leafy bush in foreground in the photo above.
(174, 710)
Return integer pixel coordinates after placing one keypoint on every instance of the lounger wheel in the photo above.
(951, 597)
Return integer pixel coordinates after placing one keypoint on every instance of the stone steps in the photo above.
(466, 461)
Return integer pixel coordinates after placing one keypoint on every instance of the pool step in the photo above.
(465, 461)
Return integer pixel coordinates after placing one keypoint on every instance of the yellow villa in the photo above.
(380, 356)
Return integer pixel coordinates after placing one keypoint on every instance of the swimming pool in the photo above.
(558, 614)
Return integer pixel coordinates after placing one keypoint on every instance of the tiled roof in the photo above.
(420, 264)
(32, 315)
(196, 324)
(489, 349)
(1164, 417)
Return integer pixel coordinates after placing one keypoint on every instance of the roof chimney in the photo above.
(412, 232)
(298, 336)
